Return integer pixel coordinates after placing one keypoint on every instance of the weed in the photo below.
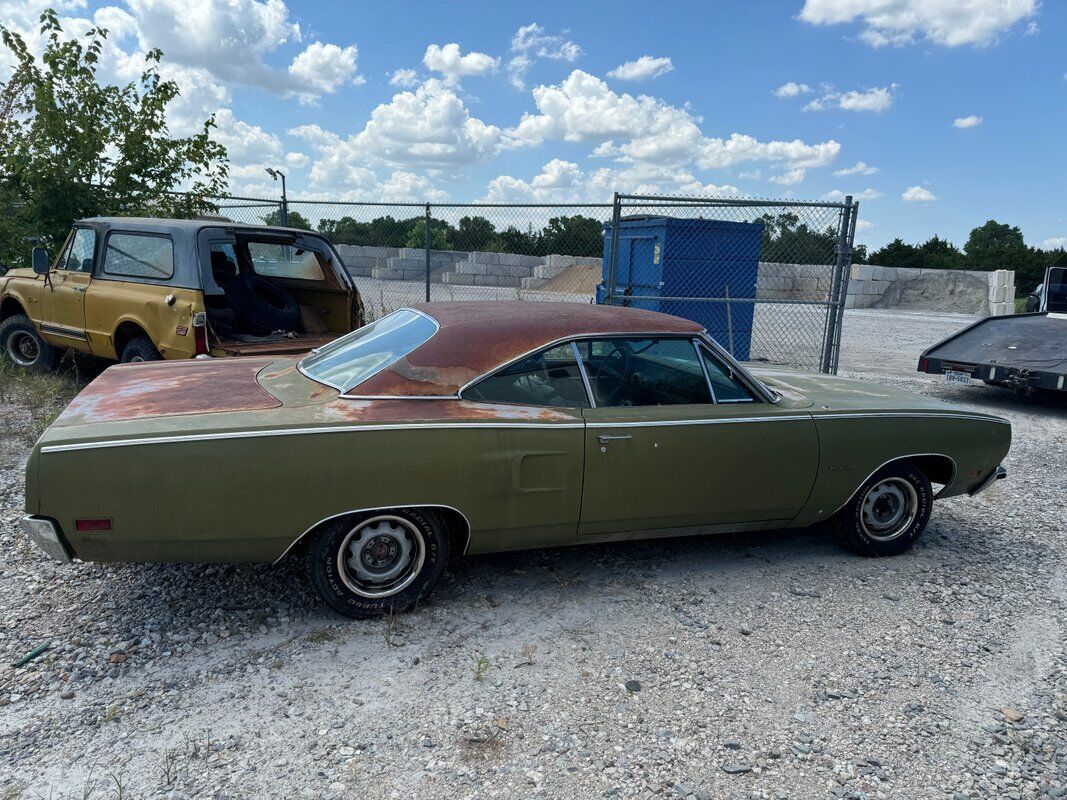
(481, 667)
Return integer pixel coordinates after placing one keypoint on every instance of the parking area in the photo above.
(770, 665)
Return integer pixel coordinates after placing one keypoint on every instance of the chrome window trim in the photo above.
(584, 374)
(324, 520)
(704, 368)
(755, 387)
(551, 346)
(341, 389)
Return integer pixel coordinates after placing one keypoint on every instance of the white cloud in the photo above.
(532, 42)
(642, 68)
(859, 168)
(1055, 243)
(836, 195)
(900, 22)
(918, 194)
(792, 89)
(404, 186)
(296, 160)
(407, 78)
(451, 63)
(739, 148)
(864, 225)
(324, 68)
(972, 121)
(791, 177)
(246, 144)
(877, 99)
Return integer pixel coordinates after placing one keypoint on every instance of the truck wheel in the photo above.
(22, 345)
(267, 305)
(139, 349)
(378, 563)
(888, 513)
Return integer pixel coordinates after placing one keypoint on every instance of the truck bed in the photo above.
(1027, 351)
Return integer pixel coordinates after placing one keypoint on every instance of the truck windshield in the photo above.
(352, 359)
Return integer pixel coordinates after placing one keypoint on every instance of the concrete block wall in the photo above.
(870, 286)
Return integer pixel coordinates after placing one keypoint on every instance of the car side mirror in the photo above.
(41, 263)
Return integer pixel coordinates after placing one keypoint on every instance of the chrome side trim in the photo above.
(675, 422)
(324, 520)
(893, 460)
(911, 415)
(63, 330)
(212, 437)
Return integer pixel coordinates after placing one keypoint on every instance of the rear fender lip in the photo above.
(996, 475)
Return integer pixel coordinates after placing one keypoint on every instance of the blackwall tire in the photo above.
(140, 349)
(22, 345)
(376, 563)
(888, 513)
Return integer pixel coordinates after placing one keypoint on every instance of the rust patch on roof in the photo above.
(134, 391)
(475, 338)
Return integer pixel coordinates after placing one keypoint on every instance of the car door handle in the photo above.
(604, 438)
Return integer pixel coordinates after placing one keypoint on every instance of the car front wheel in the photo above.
(888, 513)
(378, 563)
(22, 345)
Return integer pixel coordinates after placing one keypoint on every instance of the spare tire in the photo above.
(267, 305)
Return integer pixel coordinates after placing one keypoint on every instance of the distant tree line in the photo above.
(994, 245)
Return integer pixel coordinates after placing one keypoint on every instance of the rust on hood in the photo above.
(476, 337)
(160, 388)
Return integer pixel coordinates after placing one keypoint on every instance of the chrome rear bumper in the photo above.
(45, 534)
(998, 474)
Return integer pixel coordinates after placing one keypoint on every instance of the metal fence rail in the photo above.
(767, 277)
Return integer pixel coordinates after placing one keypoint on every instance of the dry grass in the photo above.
(30, 402)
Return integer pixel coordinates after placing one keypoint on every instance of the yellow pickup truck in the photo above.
(139, 289)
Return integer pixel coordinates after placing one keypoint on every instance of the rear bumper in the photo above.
(998, 474)
(45, 534)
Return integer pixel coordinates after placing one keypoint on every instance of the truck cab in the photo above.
(140, 289)
(1050, 295)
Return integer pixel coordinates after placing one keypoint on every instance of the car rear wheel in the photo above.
(140, 349)
(23, 346)
(888, 513)
(378, 563)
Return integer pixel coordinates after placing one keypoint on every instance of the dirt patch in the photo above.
(579, 279)
(945, 290)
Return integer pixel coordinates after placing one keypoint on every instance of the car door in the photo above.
(63, 320)
(678, 439)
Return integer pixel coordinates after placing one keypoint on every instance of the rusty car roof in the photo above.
(477, 337)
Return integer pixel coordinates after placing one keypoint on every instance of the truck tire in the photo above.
(267, 305)
(888, 513)
(140, 349)
(22, 345)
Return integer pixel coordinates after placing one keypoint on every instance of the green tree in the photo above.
(474, 233)
(574, 236)
(296, 220)
(938, 253)
(897, 254)
(438, 235)
(71, 147)
(995, 245)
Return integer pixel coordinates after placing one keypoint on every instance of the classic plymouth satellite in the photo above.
(451, 428)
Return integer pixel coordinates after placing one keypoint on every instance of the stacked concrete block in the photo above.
(361, 260)
(410, 265)
(1001, 292)
(493, 269)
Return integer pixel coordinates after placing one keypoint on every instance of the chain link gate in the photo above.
(767, 278)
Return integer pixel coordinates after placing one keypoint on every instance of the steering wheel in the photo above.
(615, 363)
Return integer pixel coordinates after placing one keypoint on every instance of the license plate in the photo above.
(955, 376)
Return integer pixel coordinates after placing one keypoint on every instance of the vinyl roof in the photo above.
(477, 337)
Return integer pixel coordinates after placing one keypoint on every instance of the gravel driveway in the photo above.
(770, 665)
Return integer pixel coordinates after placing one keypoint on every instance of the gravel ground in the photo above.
(766, 666)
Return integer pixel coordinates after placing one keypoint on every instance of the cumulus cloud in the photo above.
(740, 148)
(1055, 243)
(791, 177)
(453, 64)
(877, 99)
(918, 194)
(324, 68)
(859, 168)
(642, 68)
(407, 78)
(532, 42)
(900, 22)
(792, 89)
(836, 195)
(972, 121)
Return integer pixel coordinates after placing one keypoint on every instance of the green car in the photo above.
(452, 428)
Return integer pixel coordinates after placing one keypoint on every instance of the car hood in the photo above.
(832, 393)
(165, 388)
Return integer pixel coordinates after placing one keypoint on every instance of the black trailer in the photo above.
(1023, 351)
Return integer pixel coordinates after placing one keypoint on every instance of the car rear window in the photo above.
(352, 359)
(138, 255)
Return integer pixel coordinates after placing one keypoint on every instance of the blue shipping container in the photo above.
(668, 257)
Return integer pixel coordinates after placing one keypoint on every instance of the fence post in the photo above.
(839, 286)
(427, 252)
(844, 284)
(613, 254)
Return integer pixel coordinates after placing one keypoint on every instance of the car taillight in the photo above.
(84, 525)
(923, 364)
(200, 332)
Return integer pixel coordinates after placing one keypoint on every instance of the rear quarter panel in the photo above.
(110, 303)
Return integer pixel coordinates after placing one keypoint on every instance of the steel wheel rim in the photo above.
(136, 360)
(23, 349)
(888, 509)
(381, 556)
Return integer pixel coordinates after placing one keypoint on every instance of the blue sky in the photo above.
(939, 114)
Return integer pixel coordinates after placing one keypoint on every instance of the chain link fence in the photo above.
(766, 277)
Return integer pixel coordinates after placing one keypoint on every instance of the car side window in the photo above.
(138, 255)
(79, 255)
(644, 372)
(727, 388)
(548, 378)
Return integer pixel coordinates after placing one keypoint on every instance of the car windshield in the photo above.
(352, 359)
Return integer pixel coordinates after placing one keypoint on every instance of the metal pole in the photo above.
(285, 204)
(836, 307)
(427, 252)
(613, 253)
(729, 321)
(844, 285)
